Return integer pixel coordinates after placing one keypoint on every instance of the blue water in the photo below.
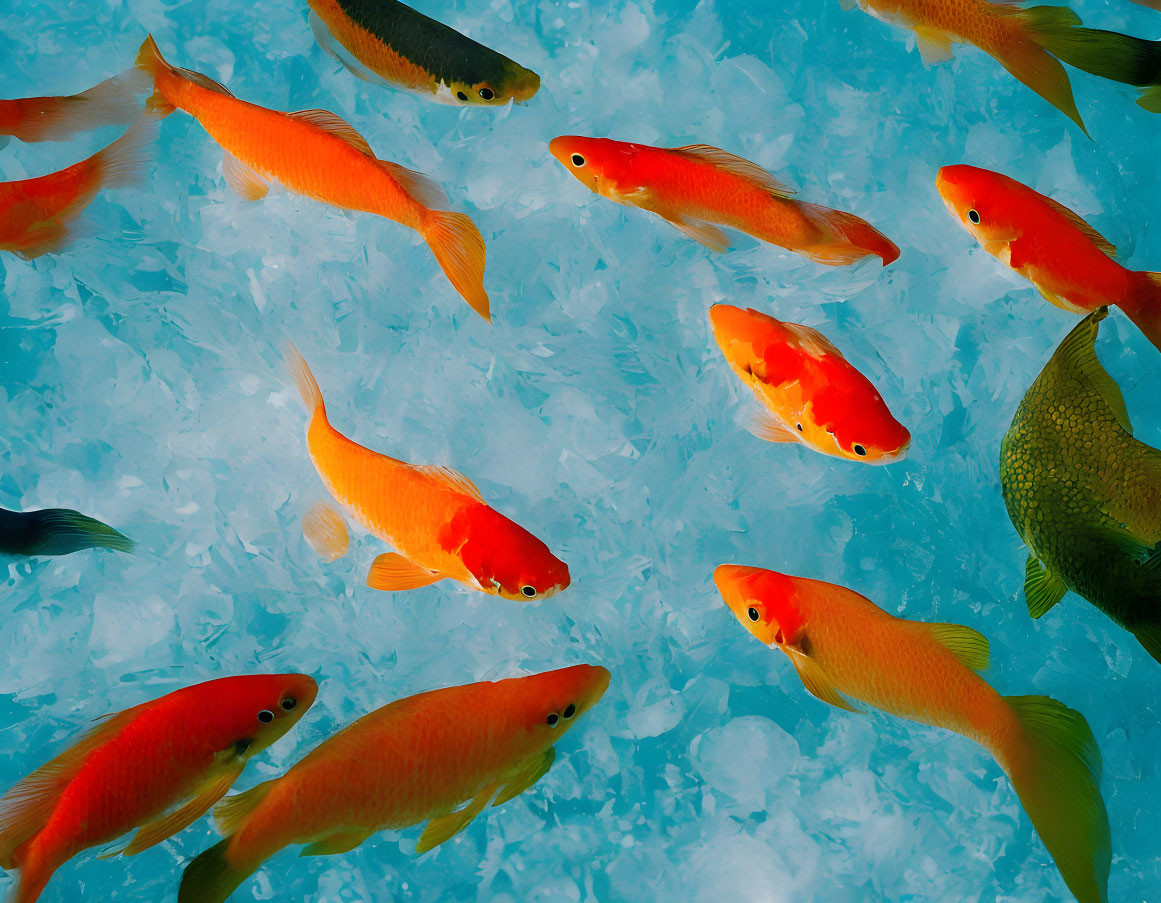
(142, 383)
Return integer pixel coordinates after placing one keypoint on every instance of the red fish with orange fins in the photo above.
(157, 767)
(434, 516)
(810, 392)
(1072, 264)
(112, 102)
(316, 153)
(699, 188)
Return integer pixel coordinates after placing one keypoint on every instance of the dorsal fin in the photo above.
(967, 645)
(1078, 354)
(202, 81)
(1099, 240)
(812, 341)
(736, 165)
(416, 184)
(451, 479)
(232, 811)
(337, 126)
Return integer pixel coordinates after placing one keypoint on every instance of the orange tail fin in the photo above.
(1145, 307)
(848, 238)
(150, 61)
(459, 249)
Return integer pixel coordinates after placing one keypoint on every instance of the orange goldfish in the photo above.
(157, 767)
(694, 187)
(38, 216)
(411, 761)
(810, 393)
(847, 649)
(314, 152)
(112, 102)
(434, 516)
(1071, 263)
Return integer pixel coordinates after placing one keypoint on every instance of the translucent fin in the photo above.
(705, 233)
(1088, 231)
(1042, 589)
(816, 682)
(847, 239)
(1031, 64)
(522, 780)
(337, 126)
(766, 426)
(307, 385)
(735, 165)
(203, 81)
(326, 532)
(231, 812)
(446, 827)
(393, 573)
(340, 842)
(459, 250)
(416, 184)
(112, 102)
(331, 46)
(934, 45)
(243, 179)
(452, 479)
(1078, 355)
(969, 646)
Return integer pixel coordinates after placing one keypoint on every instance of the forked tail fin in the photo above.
(1055, 766)
(848, 239)
(1144, 308)
(459, 249)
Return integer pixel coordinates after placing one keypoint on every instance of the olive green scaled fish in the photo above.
(1083, 494)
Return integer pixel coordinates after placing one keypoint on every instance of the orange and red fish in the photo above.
(38, 216)
(414, 760)
(698, 186)
(112, 102)
(810, 393)
(848, 650)
(315, 153)
(1072, 264)
(434, 516)
(156, 767)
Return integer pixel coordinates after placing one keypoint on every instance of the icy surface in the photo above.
(142, 384)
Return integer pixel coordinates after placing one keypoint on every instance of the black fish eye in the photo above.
(529, 591)
(266, 716)
(799, 427)
(578, 160)
(974, 216)
(569, 710)
(860, 451)
(461, 95)
(289, 703)
(752, 614)
(552, 719)
(487, 93)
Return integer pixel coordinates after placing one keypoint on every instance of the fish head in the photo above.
(506, 560)
(982, 201)
(597, 163)
(257, 710)
(549, 704)
(852, 413)
(513, 83)
(763, 601)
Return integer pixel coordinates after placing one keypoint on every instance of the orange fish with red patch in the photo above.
(316, 153)
(699, 186)
(157, 767)
(810, 392)
(434, 516)
(112, 102)
(1072, 264)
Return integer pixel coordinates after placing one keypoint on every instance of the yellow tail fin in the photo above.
(459, 249)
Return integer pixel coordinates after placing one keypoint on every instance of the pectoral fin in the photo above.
(244, 179)
(1042, 589)
(394, 573)
(710, 236)
(817, 683)
(448, 826)
(326, 531)
(766, 426)
(340, 842)
(526, 777)
(934, 44)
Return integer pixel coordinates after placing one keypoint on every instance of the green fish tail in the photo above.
(210, 878)
(57, 531)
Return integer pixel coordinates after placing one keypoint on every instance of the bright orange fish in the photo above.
(38, 216)
(112, 102)
(434, 516)
(694, 187)
(314, 152)
(411, 761)
(1070, 262)
(157, 767)
(846, 648)
(810, 392)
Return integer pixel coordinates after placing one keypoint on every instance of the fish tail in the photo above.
(1144, 306)
(61, 531)
(34, 875)
(847, 239)
(211, 878)
(123, 163)
(459, 250)
(1055, 766)
(150, 61)
(307, 384)
(112, 102)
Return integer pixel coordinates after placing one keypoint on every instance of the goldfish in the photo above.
(694, 187)
(1027, 41)
(157, 767)
(1071, 264)
(1084, 495)
(318, 154)
(810, 393)
(414, 760)
(435, 516)
(389, 42)
(112, 102)
(847, 651)
(56, 531)
(38, 216)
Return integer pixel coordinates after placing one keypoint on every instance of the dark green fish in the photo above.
(56, 531)
(1083, 494)
(383, 40)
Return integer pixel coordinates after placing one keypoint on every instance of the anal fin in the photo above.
(934, 44)
(527, 776)
(326, 531)
(243, 179)
(394, 573)
(1042, 589)
(339, 842)
(446, 827)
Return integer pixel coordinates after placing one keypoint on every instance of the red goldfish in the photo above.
(1071, 263)
(810, 393)
(694, 187)
(847, 649)
(157, 767)
(112, 102)
(411, 761)
(314, 152)
(434, 516)
(38, 216)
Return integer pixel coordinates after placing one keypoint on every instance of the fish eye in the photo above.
(487, 93)
(752, 614)
(569, 710)
(289, 703)
(529, 591)
(552, 719)
(799, 425)
(860, 451)
(266, 716)
(462, 96)
(578, 160)
(974, 216)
